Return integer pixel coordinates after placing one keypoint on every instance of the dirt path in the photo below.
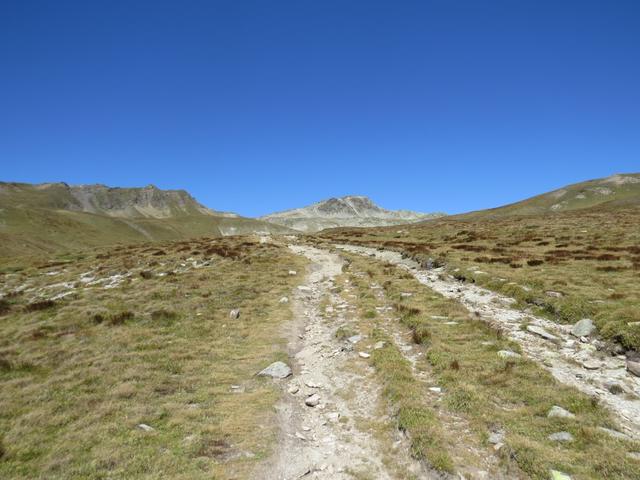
(570, 361)
(326, 441)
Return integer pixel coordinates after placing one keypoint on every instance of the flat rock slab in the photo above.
(541, 332)
(276, 370)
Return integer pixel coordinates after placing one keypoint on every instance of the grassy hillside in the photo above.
(567, 265)
(92, 348)
(45, 219)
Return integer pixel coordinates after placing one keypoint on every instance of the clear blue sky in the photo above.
(257, 106)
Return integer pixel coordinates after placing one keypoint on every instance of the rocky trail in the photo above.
(572, 361)
(330, 394)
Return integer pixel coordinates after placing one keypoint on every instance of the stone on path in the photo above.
(276, 370)
(541, 332)
(312, 400)
(559, 412)
(583, 328)
(235, 313)
(561, 437)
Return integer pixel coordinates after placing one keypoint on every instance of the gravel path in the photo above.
(324, 441)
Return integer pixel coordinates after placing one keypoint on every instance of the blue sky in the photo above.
(257, 106)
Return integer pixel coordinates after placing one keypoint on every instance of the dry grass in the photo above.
(78, 374)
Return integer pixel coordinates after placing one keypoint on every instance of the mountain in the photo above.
(349, 211)
(618, 190)
(55, 216)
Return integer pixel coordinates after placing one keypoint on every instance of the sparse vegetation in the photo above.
(590, 257)
(490, 392)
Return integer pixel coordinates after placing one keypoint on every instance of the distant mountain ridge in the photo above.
(348, 211)
(50, 217)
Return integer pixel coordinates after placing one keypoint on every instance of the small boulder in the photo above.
(583, 328)
(364, 354)
(312, 400)
(234, 314)
(145, 427)
(379, 345)
(559, 412)
(284, 300)
(354, 339)
(495, 438)
(276, 370)
(553, 294)
(292, 272)
(561, 437)
(556, 475)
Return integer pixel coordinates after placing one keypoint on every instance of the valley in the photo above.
(500, 344)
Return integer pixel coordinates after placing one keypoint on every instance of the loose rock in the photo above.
(284, 300)
(234, 314)
(145, 427)
(633, 367)
(364, 354)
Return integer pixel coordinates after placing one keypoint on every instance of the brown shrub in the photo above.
(40, 305)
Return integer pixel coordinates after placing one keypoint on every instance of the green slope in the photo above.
(616, 191)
